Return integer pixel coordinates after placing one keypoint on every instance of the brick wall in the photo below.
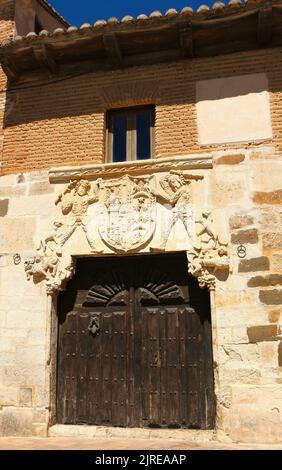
(6, 30)
(64, 122)
(6, 18)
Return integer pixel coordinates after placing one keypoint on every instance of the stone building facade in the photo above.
(211, 192)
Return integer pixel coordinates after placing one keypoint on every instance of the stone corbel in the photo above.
(205, 265)
(209, 258)
(55, 269)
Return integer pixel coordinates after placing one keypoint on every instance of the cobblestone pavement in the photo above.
(64, 443)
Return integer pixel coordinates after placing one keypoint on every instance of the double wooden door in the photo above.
(135, 345)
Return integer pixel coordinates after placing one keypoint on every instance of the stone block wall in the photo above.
(24, 310)
(242, 190)
(248, 303)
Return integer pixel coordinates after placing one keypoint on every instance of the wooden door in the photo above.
(135, 345)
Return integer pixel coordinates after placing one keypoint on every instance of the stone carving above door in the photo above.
(128, 212)
(125, 217)
(176, 193)
(51, 266)
(53, 263)
(75, 199)
(209, 255)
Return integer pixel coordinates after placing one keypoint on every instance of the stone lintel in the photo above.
(191, 162)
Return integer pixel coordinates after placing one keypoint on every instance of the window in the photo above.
(130, 134)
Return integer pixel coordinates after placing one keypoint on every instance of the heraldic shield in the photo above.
(128, 212)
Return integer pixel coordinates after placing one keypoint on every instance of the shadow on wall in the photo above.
(87, 94)
(66, 98)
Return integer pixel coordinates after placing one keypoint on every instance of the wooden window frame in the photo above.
(131, 138)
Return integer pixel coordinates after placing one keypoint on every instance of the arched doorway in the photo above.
(135, 346)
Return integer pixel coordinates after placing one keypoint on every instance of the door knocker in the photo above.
(94, 326)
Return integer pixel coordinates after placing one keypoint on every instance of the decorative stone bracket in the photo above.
(53, 268)
(209, 256)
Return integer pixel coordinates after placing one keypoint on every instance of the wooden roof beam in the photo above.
(10, 69)
(264, 29)
(45, 59)
(112, 48)
(186, 40)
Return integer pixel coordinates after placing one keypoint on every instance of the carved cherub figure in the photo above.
(75, 200)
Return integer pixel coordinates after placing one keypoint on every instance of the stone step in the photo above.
(66, 430)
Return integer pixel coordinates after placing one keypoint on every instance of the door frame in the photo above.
(52, 329)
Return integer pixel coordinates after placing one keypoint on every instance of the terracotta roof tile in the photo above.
(204, 12)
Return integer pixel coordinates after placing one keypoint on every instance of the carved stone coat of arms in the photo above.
(128, 212)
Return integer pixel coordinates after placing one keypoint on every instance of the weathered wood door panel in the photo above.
(172, 368)
(135, 346)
